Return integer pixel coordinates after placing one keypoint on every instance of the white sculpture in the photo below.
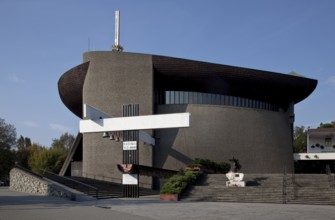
(235, 178)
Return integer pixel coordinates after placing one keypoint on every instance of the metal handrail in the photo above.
(331, 179)
(100, 178)
(284, 186)
(95, 189)
(28, 171)
(294, 186)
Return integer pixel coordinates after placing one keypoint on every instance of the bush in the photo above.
(221, 167)
(178, 182)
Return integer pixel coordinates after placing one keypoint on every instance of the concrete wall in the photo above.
(114, 79)
(260, 139)
(77, 168)
(319, 145)
(25, 182)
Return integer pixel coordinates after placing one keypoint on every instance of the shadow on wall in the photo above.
(166, 139)
(164, 149)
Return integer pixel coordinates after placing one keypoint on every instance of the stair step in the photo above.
(266, 188)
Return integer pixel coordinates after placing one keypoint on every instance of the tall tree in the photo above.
(7, 134)
(23, 142)
(64, 141)
(23, 151)
(7, 142)
(47, 159)
(300, 140)
(51, 159)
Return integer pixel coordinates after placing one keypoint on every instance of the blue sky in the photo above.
(41, 39)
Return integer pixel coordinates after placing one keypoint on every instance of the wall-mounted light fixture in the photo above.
(105, 135)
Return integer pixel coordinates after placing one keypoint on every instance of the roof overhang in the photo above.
(175, 74)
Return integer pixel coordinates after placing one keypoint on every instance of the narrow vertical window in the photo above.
(176, 98)
(172, 101)
(167, 97)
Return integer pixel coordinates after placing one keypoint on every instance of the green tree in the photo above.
(327, 125)
(51, 159)
(23, 142)
(64, 141)
(7, 134)
(23, 151)
(7, 142)
(37, 161)
(300, 140)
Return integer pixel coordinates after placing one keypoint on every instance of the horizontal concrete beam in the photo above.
(163, 121)
(94, 114)
(96, 121)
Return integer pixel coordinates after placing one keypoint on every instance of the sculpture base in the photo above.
(235, 184)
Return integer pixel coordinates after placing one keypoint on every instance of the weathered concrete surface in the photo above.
(114, 79)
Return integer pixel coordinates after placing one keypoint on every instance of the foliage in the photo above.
(300, 140)
(178, 182)
(28, 155)
(49, 159)
(327, 125)
(7, 155)
(23, 151)
(7, 160)
(217, 167)
(7, 134)
(64, 141)
(23, 142)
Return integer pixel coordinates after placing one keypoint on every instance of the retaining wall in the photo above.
(26, 182)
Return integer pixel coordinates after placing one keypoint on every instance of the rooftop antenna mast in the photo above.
(117, 46)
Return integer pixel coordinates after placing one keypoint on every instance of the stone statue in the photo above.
(235, 166)
(235, 178)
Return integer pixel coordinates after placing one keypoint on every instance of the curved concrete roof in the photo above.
(187, 75)
(174, 74)
(70, 87)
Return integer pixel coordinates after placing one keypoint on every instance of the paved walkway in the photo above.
(15, 205)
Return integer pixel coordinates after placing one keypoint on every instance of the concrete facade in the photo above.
(260, 139)
(320, 150)
(255, 126)
(112, 80)
(321, 140)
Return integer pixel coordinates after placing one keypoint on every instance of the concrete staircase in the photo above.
(95, 188)
(311, 189)
(265, 188)
(107, 190)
